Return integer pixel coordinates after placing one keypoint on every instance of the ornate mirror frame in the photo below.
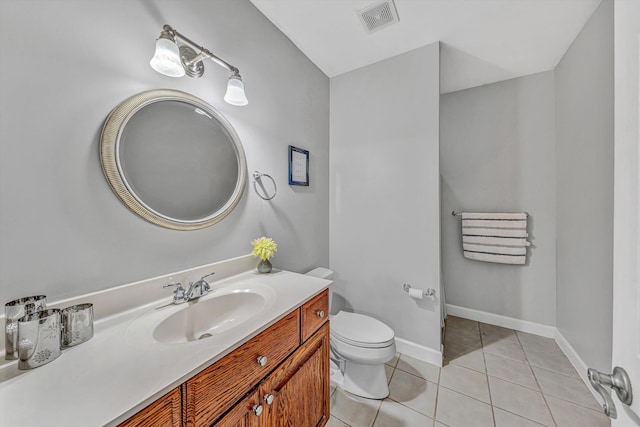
(110, 140)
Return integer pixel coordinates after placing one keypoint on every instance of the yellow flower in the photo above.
(264, 248)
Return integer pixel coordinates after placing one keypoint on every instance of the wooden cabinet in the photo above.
(213, 391)
(296, 394)
(164, 412)
(279, 378)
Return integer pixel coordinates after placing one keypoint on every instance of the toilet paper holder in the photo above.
(428, 293)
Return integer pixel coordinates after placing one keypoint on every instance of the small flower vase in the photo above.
(264, 266)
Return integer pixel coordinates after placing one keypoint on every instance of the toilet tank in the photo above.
(321, 272)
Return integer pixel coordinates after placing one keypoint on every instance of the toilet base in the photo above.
(368, 381)
(337, 379)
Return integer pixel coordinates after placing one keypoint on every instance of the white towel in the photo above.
(494, 232)
(494, 216)
(495, 237)
(502, 259)
(508, 224)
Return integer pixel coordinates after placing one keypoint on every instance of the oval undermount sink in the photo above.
(203, 319)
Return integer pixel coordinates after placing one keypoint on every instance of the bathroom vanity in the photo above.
(280, 377)
(253, 352)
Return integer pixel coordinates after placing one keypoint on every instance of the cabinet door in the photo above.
(243, 414)
(296, 394)
(164, 412)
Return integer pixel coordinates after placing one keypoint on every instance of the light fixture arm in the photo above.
(176, 56)
(203, 52)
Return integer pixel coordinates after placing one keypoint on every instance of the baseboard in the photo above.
(418, 351)
(576, 361)
(504, 321)
(532, 328)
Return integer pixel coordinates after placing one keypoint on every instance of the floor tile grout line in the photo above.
(571, 402)
(538, 383)
(520, 416)
(393, 371)
(400, 403)
(544, 395)
(558, 373)
(549, 409)
(486, 370)
(532, 373)
(433, 417)
(515, 383)
(466, 395)
(342, 421)
(533, 347)
(376, 417)
(408, 408)
(418, 376)
(335, 390)
(463, 366)
(435, 405)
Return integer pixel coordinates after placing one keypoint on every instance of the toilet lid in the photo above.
(360, 330)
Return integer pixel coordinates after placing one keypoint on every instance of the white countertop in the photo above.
(109, 378)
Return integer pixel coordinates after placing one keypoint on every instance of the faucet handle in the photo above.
(205, 285)
(207, 275)
(199, 288)
(179, 292)
(177, 285)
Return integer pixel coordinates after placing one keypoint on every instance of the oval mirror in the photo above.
(173, 159)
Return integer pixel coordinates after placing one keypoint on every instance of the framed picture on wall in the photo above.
(298, 166)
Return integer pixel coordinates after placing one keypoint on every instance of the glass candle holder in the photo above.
(38, 338)
(77, 324)
(13, 311)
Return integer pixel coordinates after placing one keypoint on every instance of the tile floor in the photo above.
(492, 377)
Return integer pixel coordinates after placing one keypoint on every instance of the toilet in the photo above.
(360, 346)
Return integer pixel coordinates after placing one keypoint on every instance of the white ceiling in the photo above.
(483, 41)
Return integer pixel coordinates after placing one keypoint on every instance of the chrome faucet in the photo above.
(196, 290)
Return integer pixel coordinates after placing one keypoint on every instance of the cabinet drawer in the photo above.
(210, 393)
(314, 313)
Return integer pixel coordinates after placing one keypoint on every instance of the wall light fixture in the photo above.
(176, 56)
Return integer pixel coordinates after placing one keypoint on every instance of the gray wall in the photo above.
(584, 139)
(384, 191)
(65, 64)
(497, 154)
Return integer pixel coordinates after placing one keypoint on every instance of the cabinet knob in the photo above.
(262, 360)
(257, 410)
(269, 398)
(320, 313)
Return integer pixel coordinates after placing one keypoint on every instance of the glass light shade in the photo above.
(167, 58)
(235, 92)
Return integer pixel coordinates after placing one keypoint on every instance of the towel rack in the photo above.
(498, 237)
(454, 213)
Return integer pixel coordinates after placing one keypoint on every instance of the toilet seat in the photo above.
(361, 331)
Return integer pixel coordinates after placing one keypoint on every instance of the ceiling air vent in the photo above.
(378, 16)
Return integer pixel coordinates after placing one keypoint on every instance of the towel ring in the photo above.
(257, 176)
